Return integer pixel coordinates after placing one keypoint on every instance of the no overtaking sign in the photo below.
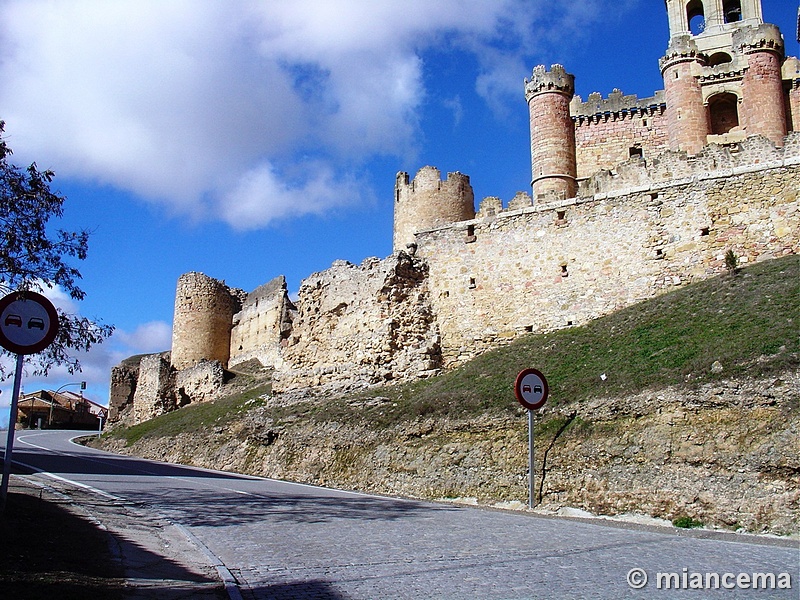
(28, 322)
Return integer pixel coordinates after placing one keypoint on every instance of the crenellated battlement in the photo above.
(555, 80)
(682, 49)
(765, 36)
(666, 170)
(616, 106)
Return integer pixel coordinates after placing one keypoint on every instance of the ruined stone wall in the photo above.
(124, 377)
(154, 388)
(362, 324)
(612, 130)
(565, 263)
(262, 325)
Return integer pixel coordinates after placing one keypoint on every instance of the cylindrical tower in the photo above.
(687, 117)
(553, 158)
(428, 202)
(201, 329)
(763, 99)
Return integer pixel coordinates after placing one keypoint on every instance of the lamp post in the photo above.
(53, 399)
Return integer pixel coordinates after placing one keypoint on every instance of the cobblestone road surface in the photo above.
(287, 541)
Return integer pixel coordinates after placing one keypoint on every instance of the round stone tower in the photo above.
(553, 158)
(201, 329)
(688, 122)
(762, 85)
(428, 202)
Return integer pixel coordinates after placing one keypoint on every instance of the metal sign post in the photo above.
(531, 390)
(28, 324)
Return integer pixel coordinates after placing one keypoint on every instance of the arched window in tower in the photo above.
(696, 17)
(719, 58)
(732, 9)
(724, 112)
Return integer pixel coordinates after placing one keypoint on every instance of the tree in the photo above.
(32, 256)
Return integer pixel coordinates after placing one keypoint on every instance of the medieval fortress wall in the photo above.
(563, 263)
(629, 198)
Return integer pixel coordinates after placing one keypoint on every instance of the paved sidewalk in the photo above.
(155, 557)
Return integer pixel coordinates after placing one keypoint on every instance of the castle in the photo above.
(630, 197)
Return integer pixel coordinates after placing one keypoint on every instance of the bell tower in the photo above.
(722, 74)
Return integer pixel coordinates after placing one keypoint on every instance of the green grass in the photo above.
(194, 417)
(748, 321)
(687, 523)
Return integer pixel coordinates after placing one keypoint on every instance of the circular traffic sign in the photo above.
(531, 389)
(28, 322)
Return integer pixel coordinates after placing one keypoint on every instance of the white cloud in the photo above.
(201, 105)
(155, 336)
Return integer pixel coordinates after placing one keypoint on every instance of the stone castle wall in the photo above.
(630, 197)
(262, 325)
(564, 263)
(153, 395)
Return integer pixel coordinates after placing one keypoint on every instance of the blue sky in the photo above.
(248, 139)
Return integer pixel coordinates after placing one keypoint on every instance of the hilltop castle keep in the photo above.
(629, 197)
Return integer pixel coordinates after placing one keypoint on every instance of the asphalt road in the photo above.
(279, 540)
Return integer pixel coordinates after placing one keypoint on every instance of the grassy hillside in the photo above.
(748, 322)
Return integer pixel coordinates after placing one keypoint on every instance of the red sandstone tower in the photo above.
(762, 85)
(687, 119)
(553, 161)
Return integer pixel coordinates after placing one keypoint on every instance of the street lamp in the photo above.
(53, 399)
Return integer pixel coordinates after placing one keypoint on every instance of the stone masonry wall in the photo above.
(362, 325)
(262, 324)
(607, 129)
(565, 263)
(124, 377)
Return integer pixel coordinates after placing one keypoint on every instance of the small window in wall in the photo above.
(561, 217)
(564, 271)
(732, 9)
(470, 237)
(472, 284)
(659, 253)
(529, 329)
(704, 231)
(635, 151)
